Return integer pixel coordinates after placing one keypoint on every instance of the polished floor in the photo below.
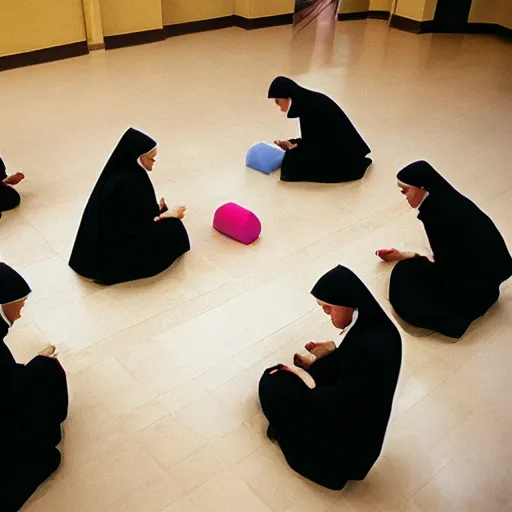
(163, 373)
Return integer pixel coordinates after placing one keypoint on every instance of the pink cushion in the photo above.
(237, 222)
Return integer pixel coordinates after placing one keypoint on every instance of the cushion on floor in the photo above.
(237, 222)
(264, 157)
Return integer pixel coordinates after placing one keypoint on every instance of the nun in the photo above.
(334, 432)
(330, 149)
(34, 401)
(125, 233)
(9, 198)
(461, 280)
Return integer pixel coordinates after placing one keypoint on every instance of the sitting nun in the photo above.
(334, 432)
(34, 404)
(125, 233)
(470, 260)
(330, 149)
(9, 198)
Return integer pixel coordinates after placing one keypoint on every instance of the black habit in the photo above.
(34, 400)
(471, 260)
(9, 198)
(335, 432)
(118, 239)
(330, 149)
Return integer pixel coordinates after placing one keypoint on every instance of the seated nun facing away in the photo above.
(470, 259)
(330, 149)
(334, 432)
(9, 198)
(34, 404)
(125, 233)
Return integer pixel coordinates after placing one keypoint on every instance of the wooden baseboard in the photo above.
(135, 38)
(489, 28)
(379, 15)
(199, 26)
(414, 26)
(65, 51)
(348, 16)
(96, 46)
(504, 32)
(267, 21)
(374, 15)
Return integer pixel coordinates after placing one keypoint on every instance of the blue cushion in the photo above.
(264, 157)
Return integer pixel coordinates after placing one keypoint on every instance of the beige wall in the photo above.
(491, 11)
(430, 10)
(184, 11)
(380, 5)
(261, 8)
(504, 13)
(419, 10)
(27, 25)
(348, 6)
(126, 16)
(483, 11)
(243, 8)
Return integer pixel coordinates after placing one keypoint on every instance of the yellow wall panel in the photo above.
(412, 9)
(348, 6)
(27, 25)
(184, 11)
(380, 5)
(127, 16)
(261, 8)
(504, 13)
(430, 10)
(243, 8)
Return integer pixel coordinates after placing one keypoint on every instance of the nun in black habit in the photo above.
(125, 233)
(470, 258)
(34, 400)
(330, 149)
(9, 198)
(334, 432)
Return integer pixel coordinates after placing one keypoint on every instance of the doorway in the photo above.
(452, 15)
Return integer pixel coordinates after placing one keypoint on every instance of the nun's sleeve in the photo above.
(3, 173)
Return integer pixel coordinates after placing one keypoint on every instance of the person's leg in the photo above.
(291, 168)
(417, 297)
(3, 170)
(9, 198)
(356, 169)
(24, 476)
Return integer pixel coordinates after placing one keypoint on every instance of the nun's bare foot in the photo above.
(303, 361)
(48, 351)
(394, 255)
(320, 350)
(14, 179)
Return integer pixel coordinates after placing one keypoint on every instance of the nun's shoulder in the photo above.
(378, 339)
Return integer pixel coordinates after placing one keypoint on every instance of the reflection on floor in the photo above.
(163, 373)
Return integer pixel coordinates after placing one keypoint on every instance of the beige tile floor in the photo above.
(163, 373)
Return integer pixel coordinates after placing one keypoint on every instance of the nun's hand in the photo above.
(14, 179)
(163, 206)
(177, 213)
(285, 144)
(48, 352)
(394, 255)
(388, 254)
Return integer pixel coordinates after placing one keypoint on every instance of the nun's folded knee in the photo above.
(9, 198)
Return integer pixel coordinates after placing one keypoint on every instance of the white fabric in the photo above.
(345, 331)
(139, 159)
(427, 193)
